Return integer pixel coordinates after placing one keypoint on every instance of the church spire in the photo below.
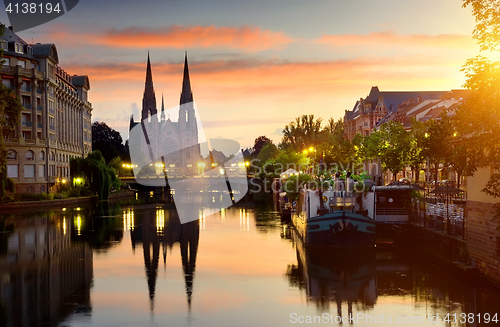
(186, 95)
(162, 108)
(149, 98)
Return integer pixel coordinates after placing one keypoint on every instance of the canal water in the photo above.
(136, 265)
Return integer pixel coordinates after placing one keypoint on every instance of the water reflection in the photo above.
(136, 265)
(162, 228)
(370, 280)
(336, 277)
(43, 275)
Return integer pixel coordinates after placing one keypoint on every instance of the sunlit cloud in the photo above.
(245, 38)
(389, 38)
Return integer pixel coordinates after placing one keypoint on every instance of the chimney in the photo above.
(11, 28)
(419, 99)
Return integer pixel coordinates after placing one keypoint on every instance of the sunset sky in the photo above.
(256, 65)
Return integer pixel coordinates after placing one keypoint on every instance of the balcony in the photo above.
(51, 94)
(38, 91)
(27, 106)
(8, 69)
(26, 124)
(39, 125)
(39, 108)
(52, 127)
(25, 88)
(52, 111)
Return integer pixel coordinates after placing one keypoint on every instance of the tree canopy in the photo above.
(478, 120)
(107, 140)
(259, 143)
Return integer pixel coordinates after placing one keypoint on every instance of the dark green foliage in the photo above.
(260, 142)
(97, 176)
(108, 141)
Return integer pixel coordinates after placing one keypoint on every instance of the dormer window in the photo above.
(19, 48)
(4, 45)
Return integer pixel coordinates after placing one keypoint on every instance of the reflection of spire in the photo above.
(190, 234)
(164, 248)
(150, 239)
(186, 95)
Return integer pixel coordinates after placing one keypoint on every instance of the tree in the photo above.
(416, 153)
(259, 143)
(302, 133)
(98, 177)
(393, 144)
(269, 151)
(10, 112)
(479, 117)
(107, 140)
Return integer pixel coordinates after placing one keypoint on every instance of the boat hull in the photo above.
(338, 229)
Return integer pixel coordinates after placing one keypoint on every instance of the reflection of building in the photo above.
(172, 136)
(42, 272)
(55, 122)
(161, 228)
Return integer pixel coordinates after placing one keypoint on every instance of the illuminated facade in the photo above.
(55, 123)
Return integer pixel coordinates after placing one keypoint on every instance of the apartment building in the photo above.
(55, 123)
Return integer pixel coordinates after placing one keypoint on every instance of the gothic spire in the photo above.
(149, 98)
(162, 108)
(186, 95)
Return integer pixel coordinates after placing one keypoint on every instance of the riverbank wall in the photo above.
(61, 203)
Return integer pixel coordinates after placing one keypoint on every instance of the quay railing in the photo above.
(446, 218)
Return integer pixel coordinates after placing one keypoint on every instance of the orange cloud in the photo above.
(388, 38)
(246, 38)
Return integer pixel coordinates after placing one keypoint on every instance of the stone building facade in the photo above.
(55, 123)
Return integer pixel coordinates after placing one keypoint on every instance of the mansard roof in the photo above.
(393, 98)
(46, 50)
(81, 81)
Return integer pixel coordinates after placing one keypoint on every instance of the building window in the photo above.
(29, 171)
(30, 155)
(11, 155)
(12, 171)
(41, 170)
(21, 63)
(6, 61)
(42, 155)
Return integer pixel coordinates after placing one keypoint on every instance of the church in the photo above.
(177, 141)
